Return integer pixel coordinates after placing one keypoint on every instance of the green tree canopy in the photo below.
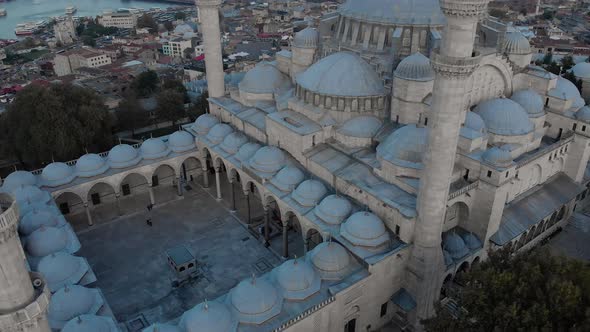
(548, 58)
(145, 83)
(180, 16)
(170, 105)
(567, 62)
(147, 21)
(168, 25)
(572, 78)
(177, 86)
(130, 115)
(199, 107)
(56, 122)
(529, 292)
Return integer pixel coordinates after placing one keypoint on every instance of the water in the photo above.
(19, 11)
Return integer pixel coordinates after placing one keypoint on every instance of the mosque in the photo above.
(399, 146)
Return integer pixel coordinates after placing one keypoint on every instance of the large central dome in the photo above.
(400, 12)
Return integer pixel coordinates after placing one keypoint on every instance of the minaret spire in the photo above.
(209, 19)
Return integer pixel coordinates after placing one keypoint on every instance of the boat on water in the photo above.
(70, 10)
(29, 28)
(2, 12)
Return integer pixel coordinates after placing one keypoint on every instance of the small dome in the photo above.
(181, 141)
(218, 133)
(38, 218)
(306, 38)
(331, 260)
(72, 301)
(416, 67)
(157, 327)
(364, 229)
(268, 159)
(297, 279)
(232, 142)
(474, 122)
(90, 165)
(504, 117)
(288, 178)
(333, 209)
(29, 195)
(361, 126)
(122, 156)
(246, 151)
(204, 123)
(57, 174)
(565, 89)
(255, 301)
(46, 241)
(531, 101)
(583, 114)
(497, 157)
(61, 269)
(516, 43)
(342, 74)
(90, 323)
(405, 147)
(309, 193)
(264, 78)
(471, 241)
(448, 258)
(154, 148)
(208, 317)
(18, 179)
(582, 70)
(455, 245)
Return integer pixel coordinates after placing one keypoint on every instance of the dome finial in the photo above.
(295, 259)
(253, 278)
(79, 320)
(66, 288)
(206, 305)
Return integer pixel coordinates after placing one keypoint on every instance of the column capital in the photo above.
(208, 3)
(454, 68)
(464, 8)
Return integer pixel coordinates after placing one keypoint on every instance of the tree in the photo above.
(567, 62)
(145, 83)
(180, 16)
(572, 78)
(554, 68)
(497, 13)
(548, 15)
(529, 292)
(170, 106)
(168, 25)
(130, 115)
(548, 58)
(56, 122)
(177, 86)
(88, 41)
(188, 52)
(199, 107)
(147, 21)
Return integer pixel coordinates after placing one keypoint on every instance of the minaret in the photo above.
(23, 296)
(453, 64)
(209, 24)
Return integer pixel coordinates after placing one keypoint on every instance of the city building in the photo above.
(175, 47)
(67, 62)
(65, 31)
(119, 19)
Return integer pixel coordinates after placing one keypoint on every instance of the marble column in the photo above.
(233, 196)
(179, 186)
(209, 19)
(152, 197)
(218, 182)
(346, 29)
(118, 204)
(285, 240)
(205, 177)
(266, 224)
(88, 214)
(249, 216)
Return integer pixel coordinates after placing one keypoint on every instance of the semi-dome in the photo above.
(583, 114)
(72, 301)
(232, 142)
(497, 157)
(208, 317)
(342, 74)
(255, 301)
(61, 269)
(582, 70)
(27, 195)
(204, 123)
(264, 78)
(306, 38)
(90, 323)
(364, 229)
(18, 179)
(394, 12)
(333, 209)
(181, 141)
(247, 150)
(309, 192)
(219, 132)
(268, 159)
(564, 89)
(363, 126)
(154, 148)
(38, 218)
(416, 67)
(455, 245)
(157, 327)
(122, 156)
(531, 101)
(57, 174)
(448, 258)
(47, 240)
(471, 241)
(504, 117)
(405, 147)
(297, 279)
(474, 122)
(288, 178)
(516, 43)
(90, 165)
(331, 260)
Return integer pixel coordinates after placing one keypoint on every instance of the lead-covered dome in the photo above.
(18, 179)
(497, 157)
(57, 174)
(583, 114)
(504, 117)
(342, 74)
(61, 269)
(331, 260)
(454, 245)
(364, 126)
(208, 317)
(157, 327)
(47, 240)
(333, 209)
(309, 193)
(181, 141)
(288, 178)
(264, 78)
(247, 150)
(255, 301)
(72, 301)
(90, 323)
(394, 12)
(306, 38)
(123, 156)
(582, 70)
(416, 67)
(232, 142)
(154, 148)
(364, 229)
(405, 147)
(566, 90)
(474, 122)
(471, 241)
(90, 165)
(27, 195)
(268, 159)
(204, 123)
(516, 43)
(38, 218)
(531, 101)
(219, 132)
(297, 279)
